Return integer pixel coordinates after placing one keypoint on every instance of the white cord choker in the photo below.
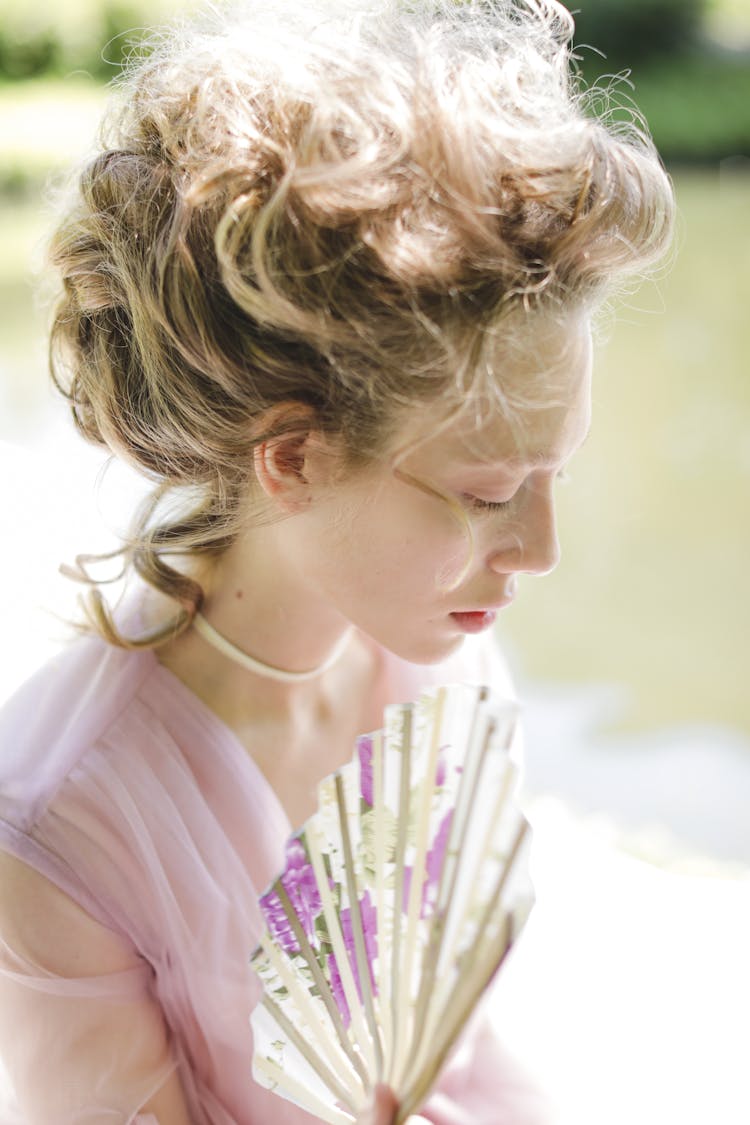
(268, 670)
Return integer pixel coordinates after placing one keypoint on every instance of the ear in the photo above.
(295, 460)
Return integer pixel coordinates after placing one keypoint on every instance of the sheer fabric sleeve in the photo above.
(81, 1037)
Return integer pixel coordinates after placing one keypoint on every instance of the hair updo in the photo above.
(333, 204)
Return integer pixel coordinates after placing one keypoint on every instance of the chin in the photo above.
(433, 651)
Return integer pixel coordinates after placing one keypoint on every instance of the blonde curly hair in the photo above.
(333, 204)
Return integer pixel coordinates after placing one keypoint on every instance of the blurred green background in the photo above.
(655, 523)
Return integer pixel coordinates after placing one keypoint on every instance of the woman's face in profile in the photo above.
(420, 555)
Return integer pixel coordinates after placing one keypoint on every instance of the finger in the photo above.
(382, 1109)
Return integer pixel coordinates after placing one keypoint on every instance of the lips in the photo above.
(475, 621)
(491, 607)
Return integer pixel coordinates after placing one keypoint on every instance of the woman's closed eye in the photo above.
(477, 503)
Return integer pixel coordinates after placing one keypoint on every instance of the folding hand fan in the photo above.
(401, 896)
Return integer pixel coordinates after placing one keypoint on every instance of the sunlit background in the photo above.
(631, 659)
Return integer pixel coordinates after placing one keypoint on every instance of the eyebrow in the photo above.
(544, 458)
(538, 460)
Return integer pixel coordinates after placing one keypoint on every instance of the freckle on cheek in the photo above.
(238, 594)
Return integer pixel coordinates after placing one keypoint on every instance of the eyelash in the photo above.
(502, 505)
(487, 505)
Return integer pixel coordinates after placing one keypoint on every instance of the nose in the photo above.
(531, 545)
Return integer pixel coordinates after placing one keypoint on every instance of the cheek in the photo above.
(413, 543)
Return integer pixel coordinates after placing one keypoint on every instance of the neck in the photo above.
(262, 605)
(259, 667)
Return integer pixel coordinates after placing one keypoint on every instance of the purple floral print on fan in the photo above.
(442, 767)
(364, 750)
(279, 926)
(300, 885)
(369, 915)
(434, 862)
(337, 989)
(433, 868)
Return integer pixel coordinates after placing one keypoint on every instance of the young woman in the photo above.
(329, 284)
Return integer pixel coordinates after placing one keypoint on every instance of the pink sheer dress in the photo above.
(135, 836)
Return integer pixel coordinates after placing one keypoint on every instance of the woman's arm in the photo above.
(81, 1036)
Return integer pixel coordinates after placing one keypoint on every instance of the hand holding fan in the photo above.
(401, 896)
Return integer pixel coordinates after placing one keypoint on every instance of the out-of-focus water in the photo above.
(652, 589)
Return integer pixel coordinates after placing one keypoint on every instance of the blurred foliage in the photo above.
(629, 30)
(694, 94)
(54, 38)
(94, 36)
(697, 104)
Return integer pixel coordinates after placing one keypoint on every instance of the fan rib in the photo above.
(302, 998)
(360, 952)
(317, 1063)
(312, 962)
(338, 944)
(438, 922)
(404, 760)
(277, 1078)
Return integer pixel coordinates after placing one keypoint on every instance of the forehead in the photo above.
(537, 414)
